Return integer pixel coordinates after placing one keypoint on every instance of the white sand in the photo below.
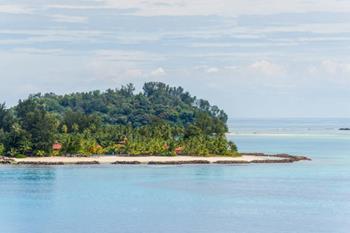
(141, 159)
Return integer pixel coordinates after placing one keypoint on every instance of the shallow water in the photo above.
(285, 198)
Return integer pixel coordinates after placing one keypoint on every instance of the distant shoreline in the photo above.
(246, 158)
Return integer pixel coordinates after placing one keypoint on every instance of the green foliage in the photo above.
(156, 121)
(38, 123)
(6, 118)
(158, 102)
(17, 140)
(197, 145)
(19, 156)
(39, 153)
(2, 149)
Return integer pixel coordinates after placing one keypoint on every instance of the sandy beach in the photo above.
(159, 160)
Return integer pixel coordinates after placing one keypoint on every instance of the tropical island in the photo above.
(160, 121)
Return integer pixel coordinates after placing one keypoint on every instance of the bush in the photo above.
(40, 153)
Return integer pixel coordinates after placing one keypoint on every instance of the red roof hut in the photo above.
(57, 146)
(179, 150)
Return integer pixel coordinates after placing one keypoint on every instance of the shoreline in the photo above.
(246, 158)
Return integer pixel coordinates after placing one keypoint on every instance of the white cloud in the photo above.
(158, 72)
(111, 72)
(207, 69)
(227, 7)
(212, 70)
(267, 68)
(231, 67)
(32, 51)
(133, 72)
(128, 56)
(33, 37)
(15, 9)
(312, 70)
(333, 67)
(118, 66)
(75, 7)
(69, 19)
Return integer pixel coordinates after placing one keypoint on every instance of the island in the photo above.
(158, 125)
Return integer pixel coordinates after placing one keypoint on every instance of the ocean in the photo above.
(304, 197)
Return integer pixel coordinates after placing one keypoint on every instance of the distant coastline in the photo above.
(247, 158)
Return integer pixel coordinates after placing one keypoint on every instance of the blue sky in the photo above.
(253, 58)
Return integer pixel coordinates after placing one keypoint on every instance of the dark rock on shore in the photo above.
(127, 163)
(5, 160)
(231, 162)
(282, 158)
(86, 163)
(179, 162)
(57, 163)
(293, 157)
(39, 163)
(274, 161)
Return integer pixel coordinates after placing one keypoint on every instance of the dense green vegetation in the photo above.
(158, 121)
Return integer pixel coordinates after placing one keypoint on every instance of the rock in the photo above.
(86, 163)
(231, 162)
(179, 162)
(127, 163)
(274, 161)
(300, 158)
(6, 160)
(39, 163)
(56, 163)
(284, 158)
(344, 129)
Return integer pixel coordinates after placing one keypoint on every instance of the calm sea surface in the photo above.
(304, 197)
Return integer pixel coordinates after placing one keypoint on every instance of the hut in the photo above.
(179, 150)
(57, 146)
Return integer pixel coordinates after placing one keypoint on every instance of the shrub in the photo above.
(40, 153)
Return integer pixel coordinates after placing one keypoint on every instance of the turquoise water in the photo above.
(262, 198)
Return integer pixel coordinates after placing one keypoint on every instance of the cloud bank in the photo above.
(272, 55)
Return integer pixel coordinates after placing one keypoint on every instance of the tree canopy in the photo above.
(155, 121)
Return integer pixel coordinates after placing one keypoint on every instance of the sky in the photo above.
(252, 58)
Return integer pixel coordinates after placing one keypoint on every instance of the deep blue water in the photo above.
(303, 197)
